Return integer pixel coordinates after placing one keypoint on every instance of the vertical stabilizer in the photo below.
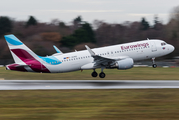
(19, 51)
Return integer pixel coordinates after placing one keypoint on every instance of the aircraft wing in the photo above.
(103, 61)
(58, 51)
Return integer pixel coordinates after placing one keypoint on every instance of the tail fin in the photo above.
(19, 51)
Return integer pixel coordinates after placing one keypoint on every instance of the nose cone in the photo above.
(172, 48)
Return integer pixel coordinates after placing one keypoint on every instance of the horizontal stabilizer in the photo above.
(22, 66)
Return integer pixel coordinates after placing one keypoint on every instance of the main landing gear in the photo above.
(153, 62)
(94, 73)
(101, 75)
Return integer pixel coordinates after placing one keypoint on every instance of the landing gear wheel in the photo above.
(154, 65)
(102, 75)
(94, 74)
(153, 62)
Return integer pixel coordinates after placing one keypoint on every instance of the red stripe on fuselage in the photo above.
(34, 64)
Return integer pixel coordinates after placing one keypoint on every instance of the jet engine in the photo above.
(124, 64)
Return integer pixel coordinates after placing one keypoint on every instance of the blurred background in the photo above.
(72, 24)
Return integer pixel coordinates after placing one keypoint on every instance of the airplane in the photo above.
(121, 56)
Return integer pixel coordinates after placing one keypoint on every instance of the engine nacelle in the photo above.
(125, 64)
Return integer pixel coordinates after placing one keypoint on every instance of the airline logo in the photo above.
(163, 48)
(66, 57)
(134, 46)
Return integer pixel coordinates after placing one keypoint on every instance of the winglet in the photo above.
(90, 51)
(58, 51)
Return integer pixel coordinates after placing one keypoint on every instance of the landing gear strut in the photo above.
(94, 73)
(102, 74)
(153, 62)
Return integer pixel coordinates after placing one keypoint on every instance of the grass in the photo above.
(135, 104)
(111, 74)
(143, 104)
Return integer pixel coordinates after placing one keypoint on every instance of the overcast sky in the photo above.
(112, 11)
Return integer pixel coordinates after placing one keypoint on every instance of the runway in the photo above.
(86, 84)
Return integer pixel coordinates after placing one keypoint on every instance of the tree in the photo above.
(175, 13)
(90, 34)
(81, 35)
(62, 25)
(5, 25)
(144, 24)
(51, 36)
(156, 22)
(173, 29)
(173, 25)
(31, 21)
(77, 23)
(77, 20)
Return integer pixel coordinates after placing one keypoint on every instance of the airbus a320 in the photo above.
(121, 56)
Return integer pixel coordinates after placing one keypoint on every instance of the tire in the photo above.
(94, 74)
(102, 75)
(154, 65)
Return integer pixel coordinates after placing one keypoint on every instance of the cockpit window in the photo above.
(162, 44)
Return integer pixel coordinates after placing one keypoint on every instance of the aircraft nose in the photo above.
(172, 48)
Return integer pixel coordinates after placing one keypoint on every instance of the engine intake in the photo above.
(125, 64)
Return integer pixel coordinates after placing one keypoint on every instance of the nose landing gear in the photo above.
(153, 62)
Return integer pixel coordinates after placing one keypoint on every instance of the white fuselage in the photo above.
(136, 50)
